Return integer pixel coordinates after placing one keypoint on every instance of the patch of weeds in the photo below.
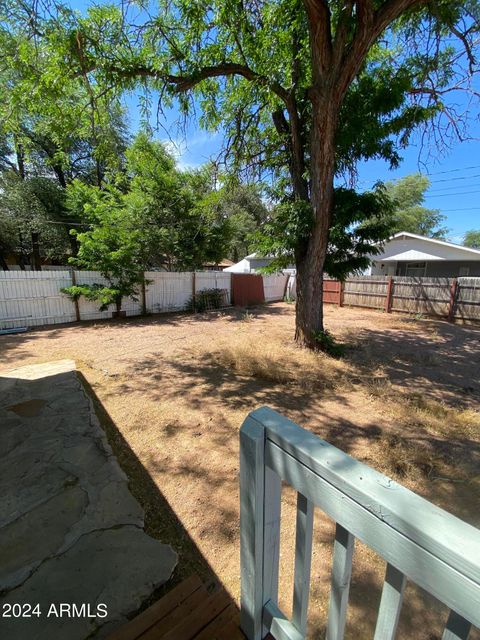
(408, 459)
(247, 316)
(326, 342)
(278, 362)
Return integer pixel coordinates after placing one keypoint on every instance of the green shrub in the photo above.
(208, 299)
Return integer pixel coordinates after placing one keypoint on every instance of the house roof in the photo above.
(405, 246)
(225, 262)
(444, 243)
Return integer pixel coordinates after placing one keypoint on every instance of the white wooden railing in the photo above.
(419, 541)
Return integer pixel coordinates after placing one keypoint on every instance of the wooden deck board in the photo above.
(188, 612)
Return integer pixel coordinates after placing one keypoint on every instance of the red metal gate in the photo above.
(247, 288)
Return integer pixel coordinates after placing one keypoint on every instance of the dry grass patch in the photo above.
(280, 361)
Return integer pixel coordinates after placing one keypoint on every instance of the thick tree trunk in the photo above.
(311, 257)
(37, 262)
(3, 262)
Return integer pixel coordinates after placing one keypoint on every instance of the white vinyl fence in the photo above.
(34, 298)
(274, 287)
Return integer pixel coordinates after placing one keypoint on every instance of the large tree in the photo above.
(302, 89)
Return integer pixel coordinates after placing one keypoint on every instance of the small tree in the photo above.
(112, 246)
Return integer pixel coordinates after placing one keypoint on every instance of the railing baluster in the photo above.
(457, 628)
(390, 604)
(303, 561)
(341, 574)
(260, 494)
(271, 540)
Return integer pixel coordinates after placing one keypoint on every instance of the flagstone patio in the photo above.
(70, 530)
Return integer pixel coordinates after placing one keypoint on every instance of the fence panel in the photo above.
(168, 291)
(467, 305)
(33, 298)
(366, 291)
(430, 296)
(274, 287)
(89, 309)
(214, 280)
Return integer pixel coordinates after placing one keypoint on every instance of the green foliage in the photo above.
(472, 239)
(291, 222)
(241, 211)
(34, 205)
(106, 296)
(325, 341)
(207, 300)
(302, 91)
(409, 214)
(359, 221)
(112, 244)
(153, 216)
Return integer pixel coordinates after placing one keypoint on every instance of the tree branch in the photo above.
(183, 83)
(319, 20)
(370, 25)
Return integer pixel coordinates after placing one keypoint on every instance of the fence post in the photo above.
(75, 299)
(388, 299)
(341, 292)
(453, 299)
(194, 292)
(144, 296)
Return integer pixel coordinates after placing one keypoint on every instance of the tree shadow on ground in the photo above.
(434, 357)
(161, 521)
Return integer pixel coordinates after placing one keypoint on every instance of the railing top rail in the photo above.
(435, 530)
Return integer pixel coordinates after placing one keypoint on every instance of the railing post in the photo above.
(260, 492)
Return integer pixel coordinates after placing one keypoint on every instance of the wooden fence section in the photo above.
(34, 298)
(451, 298)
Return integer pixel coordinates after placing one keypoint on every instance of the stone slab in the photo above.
(70, 530)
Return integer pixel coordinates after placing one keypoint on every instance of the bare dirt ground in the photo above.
(173, 391)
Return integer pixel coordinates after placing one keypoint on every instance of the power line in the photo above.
(461, 193)
(438, 173)
(467, 209)
(456, 186)
(476, 175)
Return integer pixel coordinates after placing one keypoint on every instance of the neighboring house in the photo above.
(217, 266)
(254, 262)
(407, 254)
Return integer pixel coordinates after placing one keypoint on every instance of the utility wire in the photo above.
(456, 186)
(476, 175)
(443, 195)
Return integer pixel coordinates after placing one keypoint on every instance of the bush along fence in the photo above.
(35, 298)
(450, 298)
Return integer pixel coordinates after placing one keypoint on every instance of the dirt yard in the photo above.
(173, 391)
